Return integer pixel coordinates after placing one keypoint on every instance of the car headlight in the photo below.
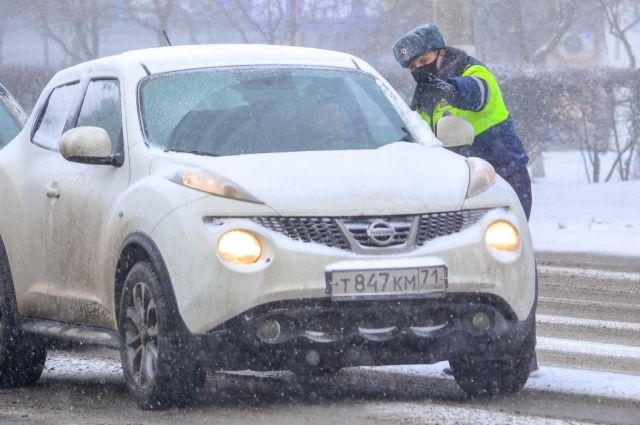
(213, 183)
(502, 236)
(239, 247)
(481, 176)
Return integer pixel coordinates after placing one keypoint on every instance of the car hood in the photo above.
(401, 178)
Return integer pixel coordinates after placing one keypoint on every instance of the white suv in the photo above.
(262, 207)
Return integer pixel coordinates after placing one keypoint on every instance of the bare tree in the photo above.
(581, 107)
(567, 11)
(76, 26)
(624, 138)
(526, 31)
(266, 21)
(622, 15)
(154, 15)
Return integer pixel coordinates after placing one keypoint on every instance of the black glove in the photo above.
(438, 88)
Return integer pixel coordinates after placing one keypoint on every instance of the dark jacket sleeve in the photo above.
(471, 93)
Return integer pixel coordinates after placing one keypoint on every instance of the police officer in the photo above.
(450, 82)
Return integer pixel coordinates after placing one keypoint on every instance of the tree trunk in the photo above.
(596, 166)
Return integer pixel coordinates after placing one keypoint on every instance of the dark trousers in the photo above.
(521, 183)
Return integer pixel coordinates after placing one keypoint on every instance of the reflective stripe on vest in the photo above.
(492, 114)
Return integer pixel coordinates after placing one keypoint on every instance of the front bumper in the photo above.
(210, 292)
(357, 333)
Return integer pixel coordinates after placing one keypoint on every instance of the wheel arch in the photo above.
(138, 247)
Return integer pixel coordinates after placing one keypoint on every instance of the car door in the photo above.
(36, 162)
(82, 219)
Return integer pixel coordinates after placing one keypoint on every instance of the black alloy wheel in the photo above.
(141, 335)
(158, 365)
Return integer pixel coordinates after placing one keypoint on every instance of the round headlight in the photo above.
(239, 247)
(502, 236)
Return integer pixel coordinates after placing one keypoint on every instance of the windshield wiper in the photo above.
(193, 151)
(408, 137)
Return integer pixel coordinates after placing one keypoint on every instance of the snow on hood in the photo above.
(401, 178)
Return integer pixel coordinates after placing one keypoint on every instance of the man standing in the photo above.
(450, 82)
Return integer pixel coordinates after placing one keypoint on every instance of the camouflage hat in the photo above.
(415, 43)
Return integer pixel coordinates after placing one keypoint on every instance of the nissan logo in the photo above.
(381, 233)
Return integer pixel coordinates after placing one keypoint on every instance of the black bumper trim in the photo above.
(351, 333)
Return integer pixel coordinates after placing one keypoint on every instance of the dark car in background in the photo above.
(12, 117)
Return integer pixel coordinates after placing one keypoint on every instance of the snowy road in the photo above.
(589, 351)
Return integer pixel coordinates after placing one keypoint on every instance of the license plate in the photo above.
(386, 283)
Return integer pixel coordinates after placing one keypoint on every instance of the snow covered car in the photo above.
(11, 117)
(255, 207)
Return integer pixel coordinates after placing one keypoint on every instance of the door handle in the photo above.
(53, 190)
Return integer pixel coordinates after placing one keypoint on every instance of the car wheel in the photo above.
(22, 356)
(487, 377)
(158, 367)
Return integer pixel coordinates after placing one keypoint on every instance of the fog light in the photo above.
(269, 330)
(481, 321)
(502, 236)
(239, 247)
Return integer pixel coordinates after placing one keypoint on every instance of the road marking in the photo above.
(589, 273)
(437, 413)
(612, 306)
(587, 323)
(585, 347)
(547, 379)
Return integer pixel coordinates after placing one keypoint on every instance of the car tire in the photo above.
(489, 377)
(22, 356)
(159, 369)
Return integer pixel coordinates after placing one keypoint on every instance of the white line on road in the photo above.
(590, 348)
(434, 413)
(589, 273)
(553, 379)
(587, 323)
(612, 306)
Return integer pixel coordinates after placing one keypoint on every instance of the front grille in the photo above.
(358, 229)
(327, 230)
(435, 225)
(322, 230)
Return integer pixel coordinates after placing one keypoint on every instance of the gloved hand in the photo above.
(441, 88)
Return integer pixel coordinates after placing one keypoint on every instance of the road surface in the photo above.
(588, 349)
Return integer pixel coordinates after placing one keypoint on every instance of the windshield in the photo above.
(266, 109)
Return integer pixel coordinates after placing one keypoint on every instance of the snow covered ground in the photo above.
(579, 384)
(571, 215)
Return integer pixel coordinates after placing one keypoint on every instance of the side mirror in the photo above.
(88, 145)
(455, 131)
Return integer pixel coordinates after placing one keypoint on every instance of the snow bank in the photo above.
(570, 215)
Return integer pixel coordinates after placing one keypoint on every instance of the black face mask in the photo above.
(424, 73)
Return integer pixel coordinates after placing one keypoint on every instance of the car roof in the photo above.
(173, 58)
